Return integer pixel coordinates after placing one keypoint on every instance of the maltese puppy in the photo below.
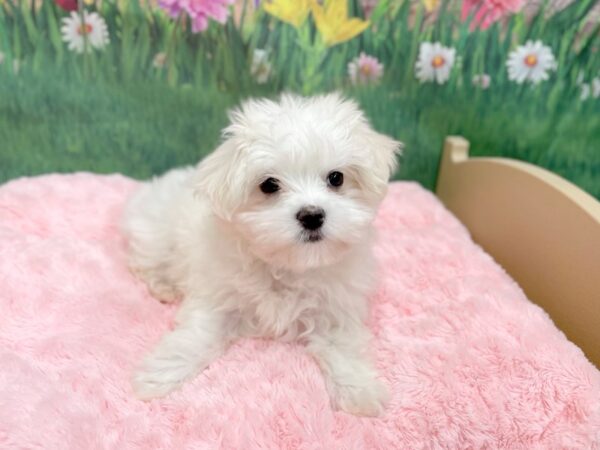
(269, 236)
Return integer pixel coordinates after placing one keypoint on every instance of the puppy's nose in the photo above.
(311, 217)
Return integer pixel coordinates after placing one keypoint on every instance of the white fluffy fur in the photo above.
(237, 256)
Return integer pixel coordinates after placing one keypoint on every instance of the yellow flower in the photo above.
(430, 5)
(293, 12)
(333, 23)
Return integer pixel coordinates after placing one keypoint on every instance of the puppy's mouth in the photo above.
(311, 236)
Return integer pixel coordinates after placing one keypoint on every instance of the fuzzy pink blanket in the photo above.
(470, 362)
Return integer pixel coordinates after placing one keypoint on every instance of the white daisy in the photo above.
(596, 87)
(585, 91)
(530, 62)
(93, 27)
(261, 67)
(159, 61)
(16, 64)
(591, 89)
(434, 63)
(482, 80)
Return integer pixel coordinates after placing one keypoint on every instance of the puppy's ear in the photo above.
(224, 176)
(220, 177)
(379, 153)
(383, 152)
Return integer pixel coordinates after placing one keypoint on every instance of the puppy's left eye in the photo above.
(269, 186)
(335, 178)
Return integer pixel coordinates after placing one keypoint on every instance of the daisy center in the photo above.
(84, 29)
(366, 70)
(437, 61)
(531, 60)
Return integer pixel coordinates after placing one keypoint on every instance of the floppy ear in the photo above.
(379, 153)
(220, 177)
(383, 152)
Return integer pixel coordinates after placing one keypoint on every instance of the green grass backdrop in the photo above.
(113, 111)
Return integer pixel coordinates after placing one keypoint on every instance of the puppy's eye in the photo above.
(335, 178)
(269, 186)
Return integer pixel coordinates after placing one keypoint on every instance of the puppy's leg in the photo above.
(350, 377)
(197, 340)
(150, 225)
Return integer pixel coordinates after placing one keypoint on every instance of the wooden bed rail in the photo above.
(542, 229)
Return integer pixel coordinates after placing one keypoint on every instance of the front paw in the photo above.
(158, 376)
(362, 399)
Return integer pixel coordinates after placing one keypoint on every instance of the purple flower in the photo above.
(172, 7)
(200, 11)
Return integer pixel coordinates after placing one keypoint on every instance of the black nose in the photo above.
(311, 217)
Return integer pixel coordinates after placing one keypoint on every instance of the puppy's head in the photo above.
(300, 179)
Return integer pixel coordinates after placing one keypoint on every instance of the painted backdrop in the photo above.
(138, 87)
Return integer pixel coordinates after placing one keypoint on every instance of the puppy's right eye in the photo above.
(269, 186)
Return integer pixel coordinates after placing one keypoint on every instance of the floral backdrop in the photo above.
(138, 86)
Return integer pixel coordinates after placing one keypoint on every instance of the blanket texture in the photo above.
(469, 361)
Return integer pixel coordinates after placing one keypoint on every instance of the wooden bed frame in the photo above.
(542, 229)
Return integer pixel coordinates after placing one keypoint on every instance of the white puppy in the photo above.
(269, 236)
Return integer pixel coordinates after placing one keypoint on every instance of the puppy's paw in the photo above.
(158, 376)
(157, 284)
(165, 293)
(368, 399)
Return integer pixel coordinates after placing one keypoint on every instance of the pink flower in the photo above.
(365, 69)
(486, 12)
(200, 11)
(67, 5)
(368, 6)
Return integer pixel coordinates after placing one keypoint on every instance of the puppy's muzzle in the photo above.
(311, 217)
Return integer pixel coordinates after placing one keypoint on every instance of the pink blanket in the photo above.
(470, 362)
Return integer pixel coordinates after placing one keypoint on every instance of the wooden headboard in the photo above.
(542, 229)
